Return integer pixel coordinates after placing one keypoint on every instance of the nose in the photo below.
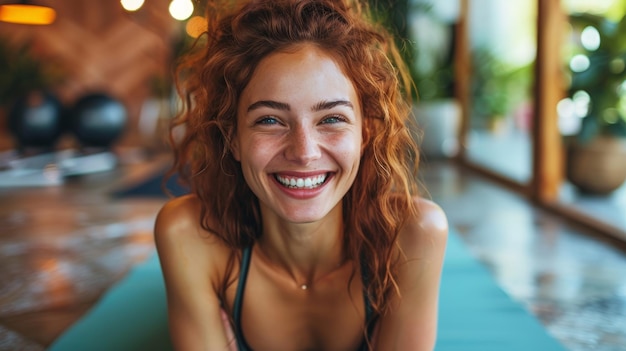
(303, 145)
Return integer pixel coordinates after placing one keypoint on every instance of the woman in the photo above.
(304, 229)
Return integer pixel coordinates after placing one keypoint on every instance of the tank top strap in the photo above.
(242, 345)
(370, 317)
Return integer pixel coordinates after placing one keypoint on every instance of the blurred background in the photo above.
(522, 99)
(530, 94)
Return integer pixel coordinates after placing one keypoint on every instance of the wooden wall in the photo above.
(100, 47)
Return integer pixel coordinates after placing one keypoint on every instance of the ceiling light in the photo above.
(181, 9)
(131, 5)
(25, 12)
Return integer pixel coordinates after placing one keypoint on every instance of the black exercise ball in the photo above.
(97, 120)
(35, 120)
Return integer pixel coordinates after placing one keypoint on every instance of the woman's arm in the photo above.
(190, 260)
(412, 321)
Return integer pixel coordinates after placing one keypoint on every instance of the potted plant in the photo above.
(436, 109)
(424, 30)
(596, 155)
(33, 113)
(496, 88)
(426, 43)
(22, 71)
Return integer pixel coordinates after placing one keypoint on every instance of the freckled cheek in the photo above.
(258, 152)
(347, 149)
(254, 162)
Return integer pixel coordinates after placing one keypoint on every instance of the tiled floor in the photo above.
(63, 246)
(574, 284)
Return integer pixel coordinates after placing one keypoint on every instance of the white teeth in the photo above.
(300, 183)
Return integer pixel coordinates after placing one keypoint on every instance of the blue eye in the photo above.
(267, 120)
(333, 119)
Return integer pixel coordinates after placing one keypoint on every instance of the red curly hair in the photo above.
(211, 81)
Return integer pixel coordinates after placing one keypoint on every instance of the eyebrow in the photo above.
(327, 105)
(322, 105)
(269, 103)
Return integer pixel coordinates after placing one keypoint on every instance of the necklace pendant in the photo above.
(303, 287)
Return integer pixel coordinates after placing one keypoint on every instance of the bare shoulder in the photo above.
(193, 262)
(427, 230)
(177, 214)
(179, 219)
(412, 321)
(180, 238)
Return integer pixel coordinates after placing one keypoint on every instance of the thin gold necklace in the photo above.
(305, 286)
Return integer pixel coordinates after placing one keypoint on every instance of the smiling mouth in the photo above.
(302, 183)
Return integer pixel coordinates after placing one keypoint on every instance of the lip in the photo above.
(302, 174)
(301, 194)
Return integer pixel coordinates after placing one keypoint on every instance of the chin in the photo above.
(304, 217)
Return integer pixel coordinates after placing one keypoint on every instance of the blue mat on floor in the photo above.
(475, 314)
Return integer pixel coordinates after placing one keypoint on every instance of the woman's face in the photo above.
(299, 134)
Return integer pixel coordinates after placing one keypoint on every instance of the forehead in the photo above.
(299, 71)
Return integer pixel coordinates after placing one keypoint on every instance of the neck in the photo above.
(306, 252)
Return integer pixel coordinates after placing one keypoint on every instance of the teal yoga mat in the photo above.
(475, 314)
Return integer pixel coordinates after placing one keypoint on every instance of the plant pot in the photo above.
(599, 166)
(438, 127)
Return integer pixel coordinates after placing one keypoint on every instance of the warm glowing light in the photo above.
(196, 26)
(181, 9)
(131, 5)
(27, 14)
